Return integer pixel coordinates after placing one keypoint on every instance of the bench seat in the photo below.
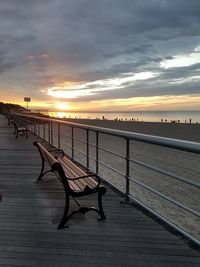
(71, 170)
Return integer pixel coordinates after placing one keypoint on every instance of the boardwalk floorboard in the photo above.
(29, 213)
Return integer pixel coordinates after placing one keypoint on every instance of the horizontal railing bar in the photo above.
(108, 151)
(62, 133)
(55, 139)
(76, 139)
(177, 177)
(189, 146)
(148, 188)
(102, 149)
(79, 140)
(102, 163)
(67, 137)
(93, 158)
(79, 151)
(65, 144)
(110, 182)
(91, 145)
(76, 150)
(113, 153)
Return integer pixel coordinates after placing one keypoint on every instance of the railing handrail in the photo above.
(184, 145)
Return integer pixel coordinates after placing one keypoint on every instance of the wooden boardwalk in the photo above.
(29, 213)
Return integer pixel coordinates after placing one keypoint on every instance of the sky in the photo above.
(108, 55)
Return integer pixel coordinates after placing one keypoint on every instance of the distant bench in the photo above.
(19, 130)
(75, 181)
(9, 118)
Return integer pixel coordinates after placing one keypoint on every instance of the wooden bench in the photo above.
(9, 118)
(20, 130)
(76, 182)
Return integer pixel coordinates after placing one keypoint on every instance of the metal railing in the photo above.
(153, 171)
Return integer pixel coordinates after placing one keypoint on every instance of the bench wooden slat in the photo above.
(73, 173)
(83, 182)
(65, 161)
(76, 183)
(77, 171)
(75, 186)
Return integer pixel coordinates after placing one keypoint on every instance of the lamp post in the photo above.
(27, 99)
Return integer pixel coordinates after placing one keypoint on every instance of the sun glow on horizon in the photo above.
(62, 106)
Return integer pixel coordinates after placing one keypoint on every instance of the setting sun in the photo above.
(62, 106)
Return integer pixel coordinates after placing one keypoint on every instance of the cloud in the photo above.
(47, 43)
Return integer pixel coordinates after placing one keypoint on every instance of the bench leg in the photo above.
(25, 132)
(101, 192)
(83, 210)
(41, 172)
(41, 175)
(65, 217)
(16, 134)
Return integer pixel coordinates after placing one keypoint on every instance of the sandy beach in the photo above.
(184, 131)
(183, 164)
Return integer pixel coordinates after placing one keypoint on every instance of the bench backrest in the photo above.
(54, 164)
(15, 125)
(19, 127)
(45, 154)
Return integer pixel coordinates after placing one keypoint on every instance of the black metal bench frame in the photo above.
(20, 130)
(90, 183)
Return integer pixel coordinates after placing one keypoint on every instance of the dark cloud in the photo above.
(87, 40)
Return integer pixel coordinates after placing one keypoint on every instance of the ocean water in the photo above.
(148, 116)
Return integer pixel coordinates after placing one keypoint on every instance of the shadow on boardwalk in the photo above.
(28, 212)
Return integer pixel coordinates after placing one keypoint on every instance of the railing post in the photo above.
(72, 142)
(87, 148)
(97, 153)
(49, 132)
(35, 128)
(44, 133)
(127, 168)
(58, 135)
(38, 128)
